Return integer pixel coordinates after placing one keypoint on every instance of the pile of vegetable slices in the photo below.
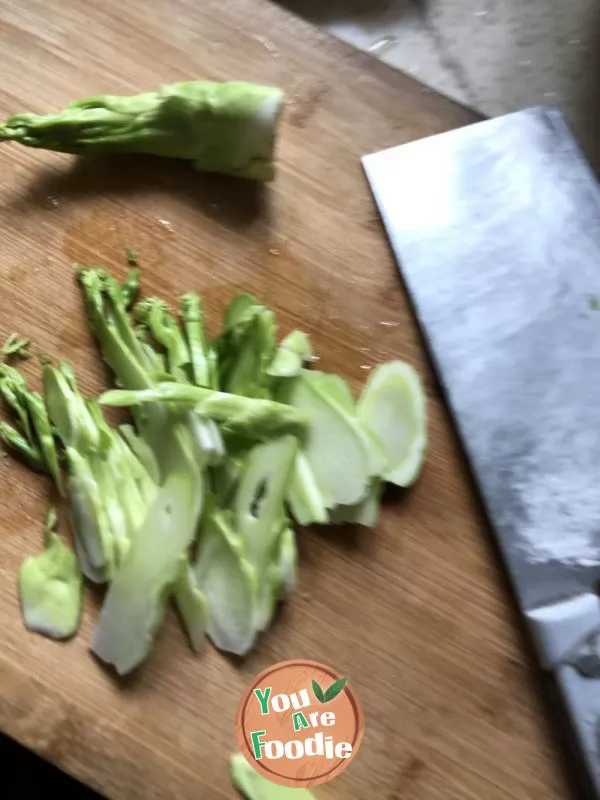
(231, 440)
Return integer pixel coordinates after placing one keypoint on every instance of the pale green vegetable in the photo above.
(109, 488)
(182, 355)
(339, 457)
(255, 787)
(336, 388)
(24, 449)
(192, 606)
(131, 257)
(246, 347)
(364, 513)
(45, 437)
(393, 408)
(142, 451)
(15, 346)
(209, 445)
(273, 585)
(135, 602)
(125, 483)
(279, 578)
(190, 502)
(130, 288)
(307, 502)
(13, 388)
(94, 542)
(219, 127)
(261, 521)
(203, 359)
(32, 440)
(241, 567)
(168, 440)
(115, 502)
(137, 365)
(68, 410)
(291, 355)
(228, 582)
(156, 316)
(259, 502)
(50, 587)
(285, 566)
(252, 418)
(337, 449)
(133, 364)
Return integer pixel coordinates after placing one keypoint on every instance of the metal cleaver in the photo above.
(496, 232)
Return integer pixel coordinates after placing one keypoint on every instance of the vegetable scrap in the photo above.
(15, 346)
(50, 587)
(254, 786)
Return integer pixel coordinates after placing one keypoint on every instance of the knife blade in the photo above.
(496, 231)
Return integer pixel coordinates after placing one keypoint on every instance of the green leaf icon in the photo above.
(335, 688)
(331, 693)
(318, 692)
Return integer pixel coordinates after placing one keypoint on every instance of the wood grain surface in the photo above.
(415, 611)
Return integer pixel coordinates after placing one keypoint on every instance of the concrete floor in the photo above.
(494, 55)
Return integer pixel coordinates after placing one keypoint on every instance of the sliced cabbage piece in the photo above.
(393, 408)
(135, 602)
(228, 582)
(192, 606)
(291, 354)
(341, 455)
(364, 513)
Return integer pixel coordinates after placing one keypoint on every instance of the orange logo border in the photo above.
(243, 736)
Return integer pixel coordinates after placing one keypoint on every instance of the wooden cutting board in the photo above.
(415, 611)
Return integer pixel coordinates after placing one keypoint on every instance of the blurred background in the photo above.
(496, 56)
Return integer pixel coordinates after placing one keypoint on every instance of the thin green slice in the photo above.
(364, 513)
(227, 581)
(293, 351)
(340, 454)
(192, 606)
(135, 602)
(393, 408)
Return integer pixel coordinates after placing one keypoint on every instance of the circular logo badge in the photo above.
(300, 723)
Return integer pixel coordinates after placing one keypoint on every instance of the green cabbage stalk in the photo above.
(219, 127)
